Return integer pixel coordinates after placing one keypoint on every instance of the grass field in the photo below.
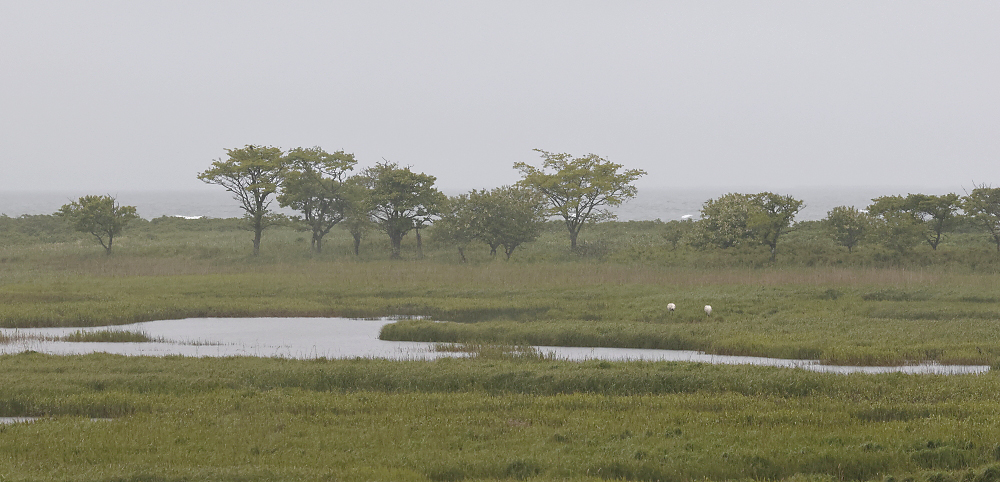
(499, 415)
(485, 418)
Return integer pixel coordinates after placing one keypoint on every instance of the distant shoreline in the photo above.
(666, 204)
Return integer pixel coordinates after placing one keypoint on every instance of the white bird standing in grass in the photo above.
(708, 310)
(671, 307)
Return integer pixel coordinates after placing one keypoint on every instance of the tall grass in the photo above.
(489, 418)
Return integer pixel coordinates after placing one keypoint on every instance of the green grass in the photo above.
(109, 336)
(842, 316)
(489, 417)
(504, 412)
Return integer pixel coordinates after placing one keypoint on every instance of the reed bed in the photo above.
(486, 418)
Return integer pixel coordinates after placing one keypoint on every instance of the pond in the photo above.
(310, 338)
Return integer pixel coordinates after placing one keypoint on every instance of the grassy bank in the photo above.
(253, 419)
(844, 316)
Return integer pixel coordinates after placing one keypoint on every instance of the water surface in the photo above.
(310, 338)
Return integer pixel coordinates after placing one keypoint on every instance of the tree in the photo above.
(936, 212)
(983, 206)
(726, 222)
(847, 225)
(358, 212)
(252, 174)
(576, 188)
(737, 219)
(400, 199)
(507, 216)
(313, 184)
(455, 226)
(773, 218)
(897, 224)
(100, 216)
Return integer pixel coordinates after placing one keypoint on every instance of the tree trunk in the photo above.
(256, 241)
(461, 252)
(318, 244)
(107, 249)
(397, 245)
(493, 250)
(420, 246)
(357, 243)
(572, 239)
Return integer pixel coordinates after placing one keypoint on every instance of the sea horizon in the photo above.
(665, 204)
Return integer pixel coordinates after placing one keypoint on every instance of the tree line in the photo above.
(320, 187)
(896, 222)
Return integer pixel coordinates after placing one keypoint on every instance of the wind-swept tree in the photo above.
(577, 188)
(983, 206)
(100, 216)
(400, 199)
(252, 175)
(847, 225)
(313, 184)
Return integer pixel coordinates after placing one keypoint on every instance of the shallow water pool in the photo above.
(309, 338)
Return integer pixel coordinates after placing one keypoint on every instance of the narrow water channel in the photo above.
(309, 338)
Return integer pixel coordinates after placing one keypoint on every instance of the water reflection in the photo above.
(351, 338)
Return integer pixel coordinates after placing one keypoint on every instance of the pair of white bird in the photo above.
(672, 307)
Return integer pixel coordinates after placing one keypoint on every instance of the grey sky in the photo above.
(113, 96)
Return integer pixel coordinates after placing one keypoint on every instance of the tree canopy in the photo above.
(847, 225)
(400, 199)
(737, 219)
(983, 206)
(313, 184)
(577, 187)
(100, 216)
(252, 174)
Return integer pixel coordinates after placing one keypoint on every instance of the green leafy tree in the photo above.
(773, 217)
(847, 225)
(507, 216)
(737, 219)
(358, 212)
(455, 226)
(400, 200)
(983, 206)
(100, 216)
(578, 188)
(726, 222)
(313, 184)
(938, 214)
(898, 226)
(252, 174)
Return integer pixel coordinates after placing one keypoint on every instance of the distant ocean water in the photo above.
(649, 204)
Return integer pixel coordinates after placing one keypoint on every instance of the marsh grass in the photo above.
(110, 336)
(486, 418)
(80, 336)
(838, 315)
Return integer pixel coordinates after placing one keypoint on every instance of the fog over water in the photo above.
(663, 204)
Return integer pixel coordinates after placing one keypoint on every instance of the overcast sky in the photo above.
(117, 96)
